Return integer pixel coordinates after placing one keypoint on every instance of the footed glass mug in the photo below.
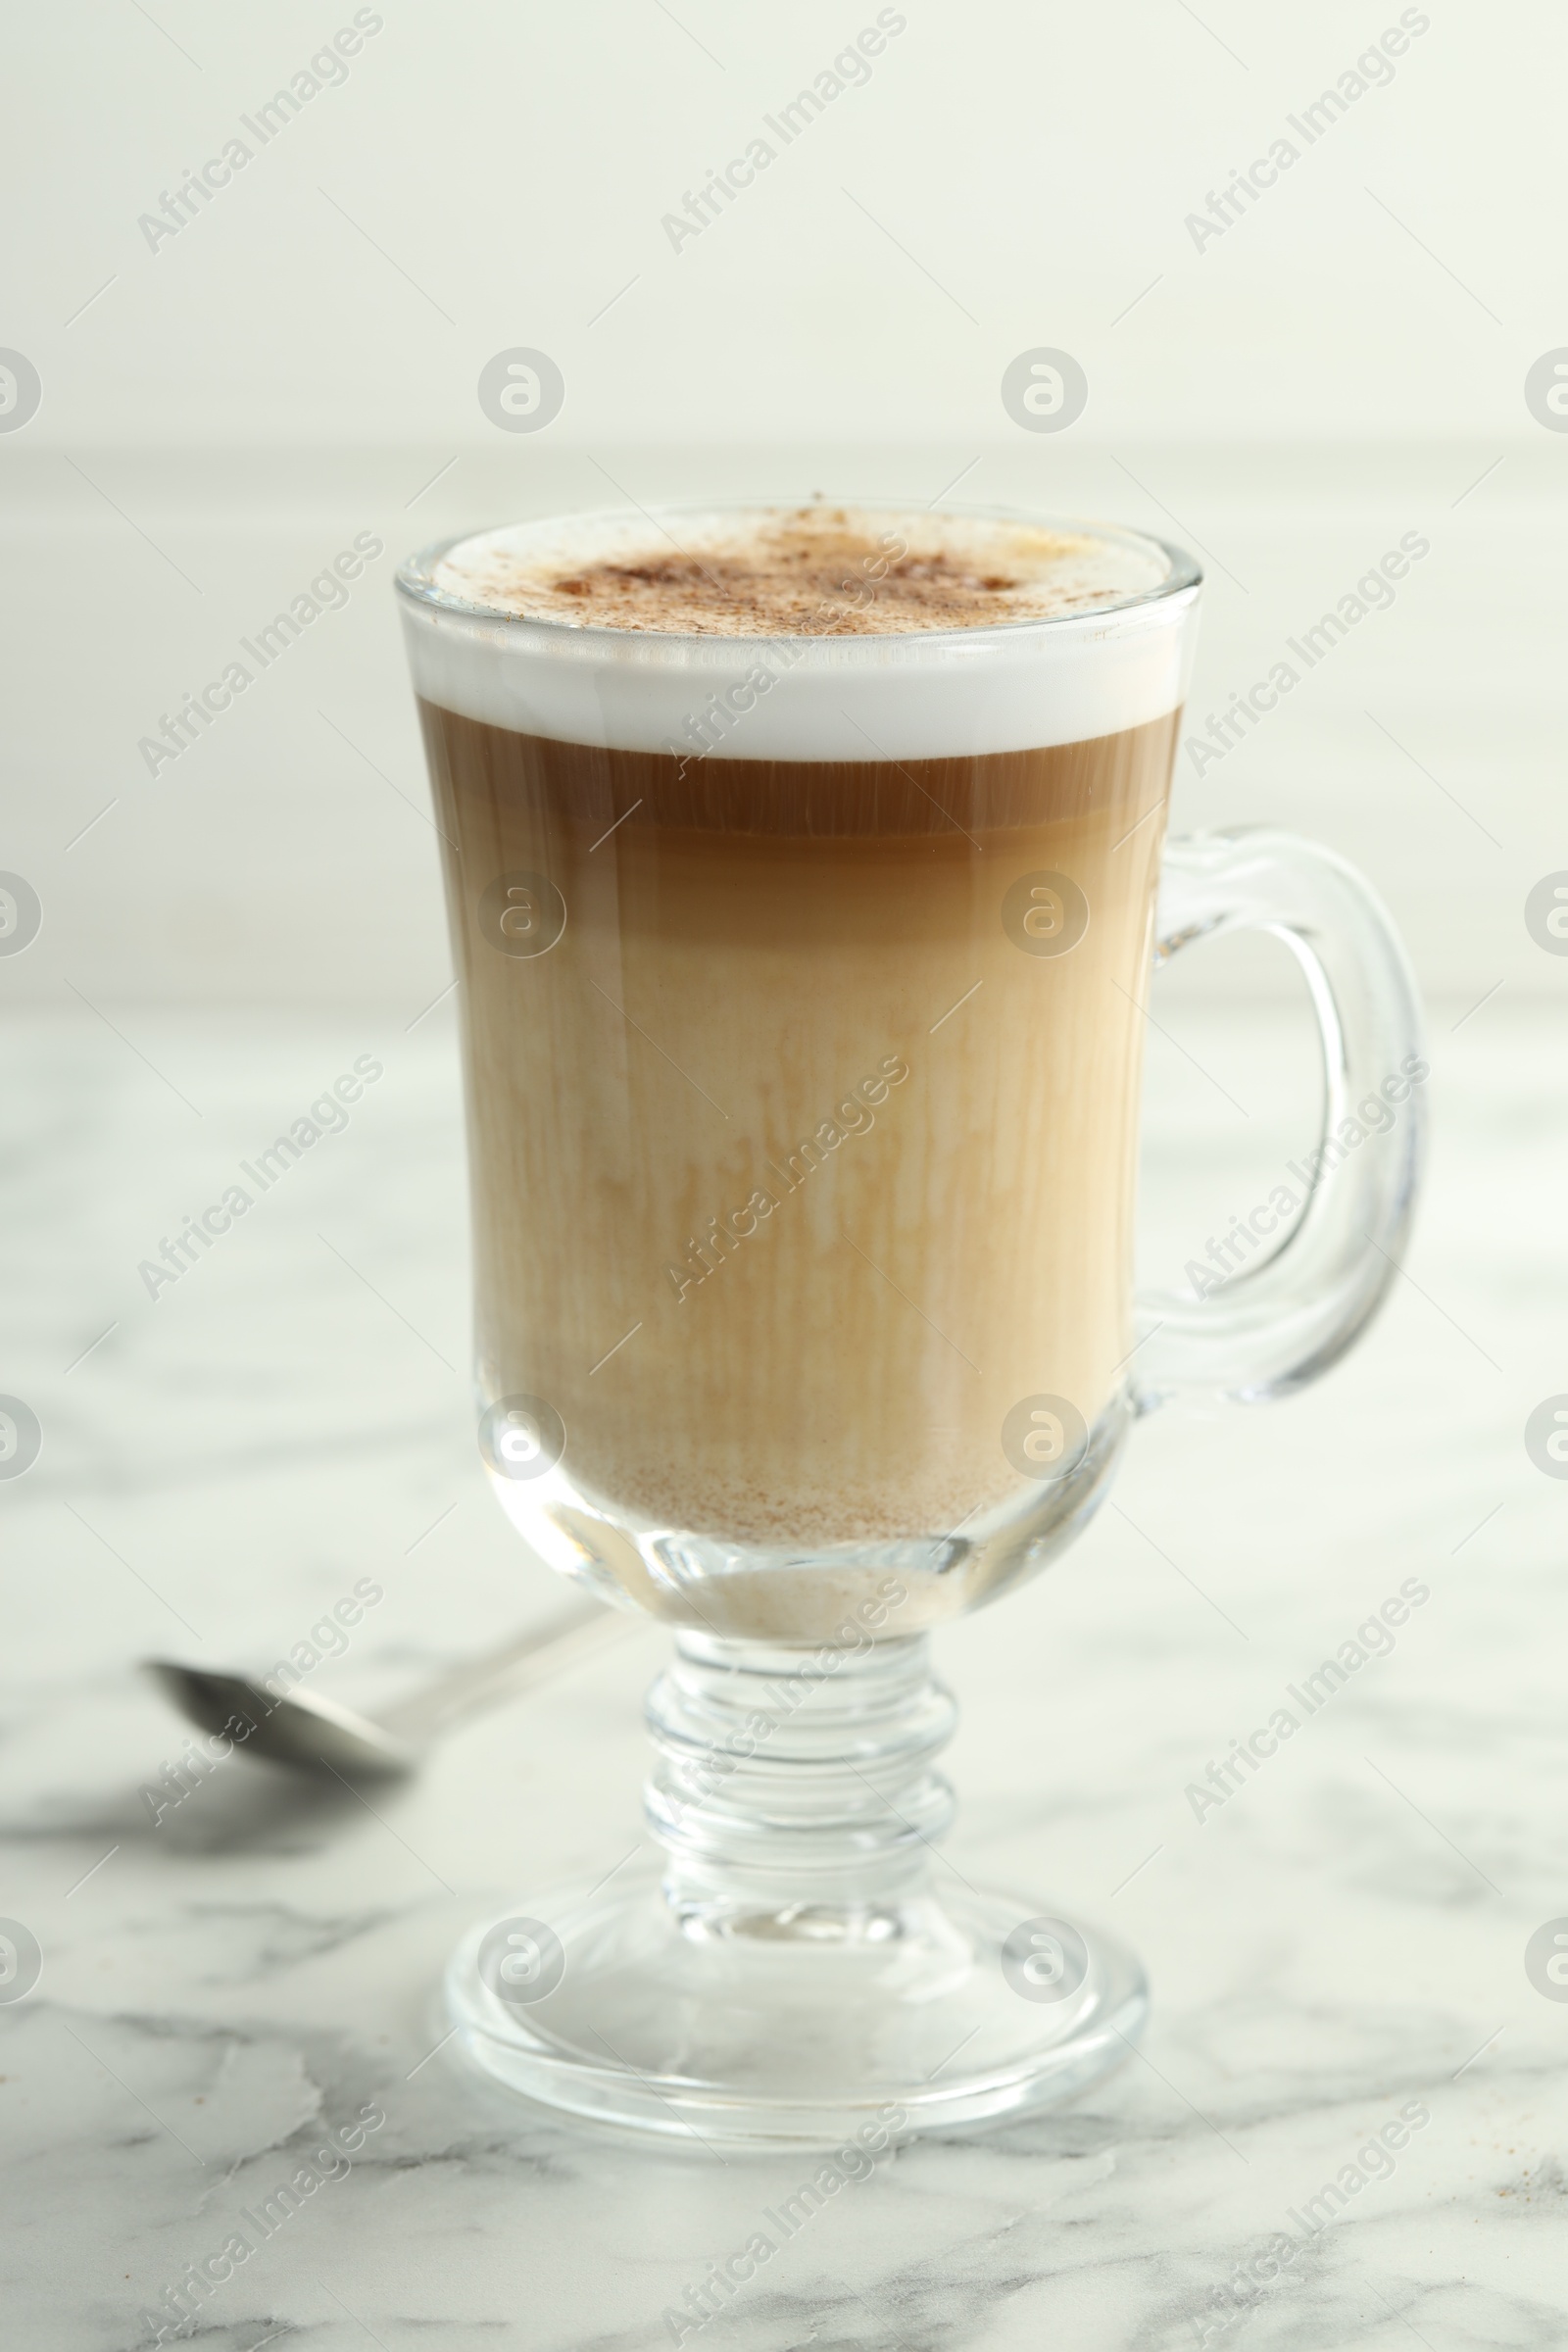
(803, 1008)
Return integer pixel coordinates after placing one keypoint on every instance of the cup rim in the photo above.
(415, 580)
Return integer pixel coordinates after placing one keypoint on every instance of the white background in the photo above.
(1344, 365)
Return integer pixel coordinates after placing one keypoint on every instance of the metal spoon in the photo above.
(307, 1729)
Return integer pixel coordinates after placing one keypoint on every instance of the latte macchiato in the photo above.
(802, 868)
(801, 893)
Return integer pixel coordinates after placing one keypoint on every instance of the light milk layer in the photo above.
(1094, 643)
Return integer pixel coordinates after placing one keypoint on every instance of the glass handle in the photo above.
(1279, 1312)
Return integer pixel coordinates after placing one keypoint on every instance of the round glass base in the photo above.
(798, 2025)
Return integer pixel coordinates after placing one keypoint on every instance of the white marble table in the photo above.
(1341, 1941)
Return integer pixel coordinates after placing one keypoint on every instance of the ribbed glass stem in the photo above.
(793, 1789)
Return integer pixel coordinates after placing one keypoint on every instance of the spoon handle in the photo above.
(482, 1681)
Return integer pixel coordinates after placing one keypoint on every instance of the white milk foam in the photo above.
(1099, 638)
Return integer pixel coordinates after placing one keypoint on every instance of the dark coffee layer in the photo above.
(529, 780)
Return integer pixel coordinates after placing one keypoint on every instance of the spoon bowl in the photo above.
(312, 1733)
(304, 1727)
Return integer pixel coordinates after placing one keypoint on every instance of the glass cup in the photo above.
(803, 988)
